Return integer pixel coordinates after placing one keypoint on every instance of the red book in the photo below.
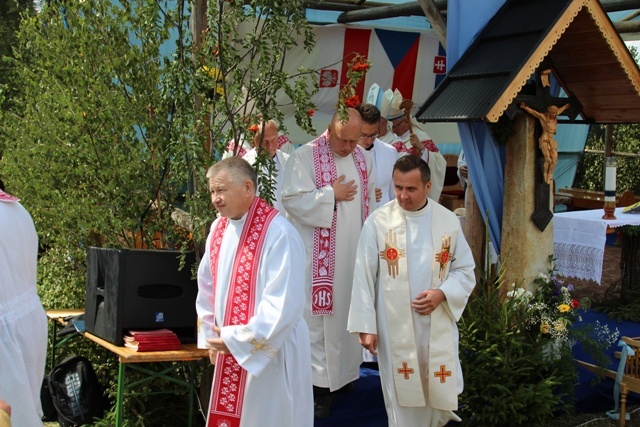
(141, 347)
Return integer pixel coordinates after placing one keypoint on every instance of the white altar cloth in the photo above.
(579, 239)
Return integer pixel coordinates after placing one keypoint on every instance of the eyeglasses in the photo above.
(398, 122)
(365, 136)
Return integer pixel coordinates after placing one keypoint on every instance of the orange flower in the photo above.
(352, 101)
(253, 128)
(310, 112)
(360, 66)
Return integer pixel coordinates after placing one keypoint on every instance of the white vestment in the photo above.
(368, 313)
(278, 389)
(389, 137)
(23, 322)
(336, 354)
(435, 160)
(384, 157)
(284, 144)
(280, 160)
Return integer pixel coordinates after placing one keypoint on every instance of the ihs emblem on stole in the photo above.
(444, 257)
(392, 253)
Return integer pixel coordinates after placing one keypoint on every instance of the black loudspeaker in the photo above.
(139, 289)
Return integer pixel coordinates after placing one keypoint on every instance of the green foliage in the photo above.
(622, 299)
(516, 350)
(508, 381)
(10, 16)
(107, 137)
(626, 139)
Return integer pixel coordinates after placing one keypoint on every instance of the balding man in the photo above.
(328, 192)
(267, 140)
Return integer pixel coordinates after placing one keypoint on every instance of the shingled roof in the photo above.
(575, 38)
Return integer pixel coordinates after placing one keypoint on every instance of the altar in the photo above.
(579, 239)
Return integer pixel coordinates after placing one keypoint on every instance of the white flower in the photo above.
(520, 293)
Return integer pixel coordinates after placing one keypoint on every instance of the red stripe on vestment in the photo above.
(230, 379)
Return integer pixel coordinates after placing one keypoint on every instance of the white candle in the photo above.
(610, 179)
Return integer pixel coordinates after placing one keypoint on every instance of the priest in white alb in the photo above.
(384, 156)
(266, 140)
(23, 322)
(249, 304)
(328, 192)
(413, 277)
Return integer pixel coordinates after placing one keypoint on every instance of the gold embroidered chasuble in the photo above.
(394, 280)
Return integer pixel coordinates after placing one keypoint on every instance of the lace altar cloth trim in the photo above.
(579, 239)
(581, 262)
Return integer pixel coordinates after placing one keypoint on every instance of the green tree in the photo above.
(109, 137)
(626, 139)
(10, 15)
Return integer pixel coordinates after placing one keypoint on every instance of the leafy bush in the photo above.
(516, 351)
(507, 380)
(107, 137)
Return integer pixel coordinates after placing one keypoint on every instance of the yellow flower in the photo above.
(564, 308)
(544, 328)
(212, 72)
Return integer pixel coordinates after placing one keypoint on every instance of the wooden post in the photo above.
(524, 248)
(474, 228)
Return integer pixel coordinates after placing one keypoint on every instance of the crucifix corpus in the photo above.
(547, 143)
(546, 109)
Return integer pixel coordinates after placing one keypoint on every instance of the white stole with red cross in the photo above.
(394, 280)
(324, 239)
(229, 381)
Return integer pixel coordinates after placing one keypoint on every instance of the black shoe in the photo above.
(322, 405)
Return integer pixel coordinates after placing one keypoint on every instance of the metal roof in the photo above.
(575, 38)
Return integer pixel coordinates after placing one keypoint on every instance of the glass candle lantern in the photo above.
(610, 187)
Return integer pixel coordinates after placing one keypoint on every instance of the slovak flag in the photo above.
(411, 61)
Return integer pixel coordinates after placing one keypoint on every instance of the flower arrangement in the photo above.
(347, 97)
(554, 315)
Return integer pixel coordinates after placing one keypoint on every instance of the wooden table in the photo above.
(580, 199)
(129, 358)
(59, 320)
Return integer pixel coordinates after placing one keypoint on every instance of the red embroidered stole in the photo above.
(282, 139)
(232, 147)
(324, 240)
(229, 382)
(401, 147)
(6, 197)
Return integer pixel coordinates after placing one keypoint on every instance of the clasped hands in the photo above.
(216, 345)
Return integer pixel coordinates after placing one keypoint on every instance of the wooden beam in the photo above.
(372, 13)
(436, 20)
(339, 7)
(382, 12)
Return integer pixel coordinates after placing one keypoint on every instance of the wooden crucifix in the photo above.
(546, 109)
